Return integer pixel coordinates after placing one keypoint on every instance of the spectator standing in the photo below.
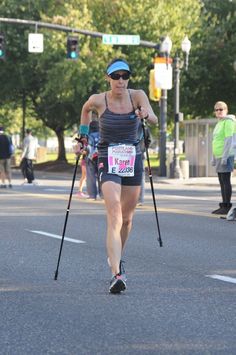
(6, 150)
(223, 154)
(28, 156)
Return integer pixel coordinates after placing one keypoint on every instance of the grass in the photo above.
(50, 157)
(154, 161)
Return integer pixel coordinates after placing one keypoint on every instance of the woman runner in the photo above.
(119, 158)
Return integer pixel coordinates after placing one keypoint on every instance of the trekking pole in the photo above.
(151, 183)
(67, 215)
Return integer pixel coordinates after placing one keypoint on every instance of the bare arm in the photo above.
(94, 103)
(87, 108)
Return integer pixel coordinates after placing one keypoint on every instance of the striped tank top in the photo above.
(118, 128)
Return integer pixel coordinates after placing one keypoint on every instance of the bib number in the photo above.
(121, 159)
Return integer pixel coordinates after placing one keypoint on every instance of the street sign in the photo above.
(121, 39)
(163, 73)
(35, 43)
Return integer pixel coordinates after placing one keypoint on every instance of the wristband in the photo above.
(84, 129)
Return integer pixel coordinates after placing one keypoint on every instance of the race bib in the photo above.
(121, 159)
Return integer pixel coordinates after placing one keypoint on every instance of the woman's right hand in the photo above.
(81, 144)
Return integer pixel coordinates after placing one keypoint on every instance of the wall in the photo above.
(198, 148)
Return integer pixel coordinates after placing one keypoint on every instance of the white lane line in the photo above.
(58, 237)
(177, 197)
(57, 190)
(223, 278)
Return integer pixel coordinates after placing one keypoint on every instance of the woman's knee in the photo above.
(127, 221)
(114, 214)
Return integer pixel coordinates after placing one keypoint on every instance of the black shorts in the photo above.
(135, 180)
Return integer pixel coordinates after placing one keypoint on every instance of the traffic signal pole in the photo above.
(147, 44)
(56, 27)
(163, 129)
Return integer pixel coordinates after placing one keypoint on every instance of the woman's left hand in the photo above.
(142, 113)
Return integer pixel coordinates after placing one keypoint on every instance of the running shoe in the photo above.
(82, 195)
(122, 270)
(117, 284)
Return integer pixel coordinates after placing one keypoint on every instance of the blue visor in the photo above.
(119, 65)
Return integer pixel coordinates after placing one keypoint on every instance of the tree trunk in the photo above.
(61, 145)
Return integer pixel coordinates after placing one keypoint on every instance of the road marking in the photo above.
(58, 237)
(148, 208)
(57, 190)
(178, 197)
(223, 278)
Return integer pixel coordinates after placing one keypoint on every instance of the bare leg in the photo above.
(3, 176)
(8, 170)
(129, 199)
(120, 203)
(83, 178)
(111, 193)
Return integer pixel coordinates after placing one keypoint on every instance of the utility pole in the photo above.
(163, 125)
(177, 173)
(178, 64)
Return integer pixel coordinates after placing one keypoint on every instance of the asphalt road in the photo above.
(180, 299)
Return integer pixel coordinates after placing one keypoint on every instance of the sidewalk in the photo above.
(197, 181)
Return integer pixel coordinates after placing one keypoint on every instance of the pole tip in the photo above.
(55, 277)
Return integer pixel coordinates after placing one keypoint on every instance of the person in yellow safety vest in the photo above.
(223, 153)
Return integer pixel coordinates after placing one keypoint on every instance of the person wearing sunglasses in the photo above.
(119, 158)
(223, 153)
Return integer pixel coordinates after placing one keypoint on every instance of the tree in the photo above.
(58, 87)
(211, 75)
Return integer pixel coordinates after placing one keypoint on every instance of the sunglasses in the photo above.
(115, 76)
(219, 109)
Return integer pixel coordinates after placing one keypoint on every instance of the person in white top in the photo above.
(28, 156)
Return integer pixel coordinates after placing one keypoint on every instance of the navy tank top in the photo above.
(118, 128)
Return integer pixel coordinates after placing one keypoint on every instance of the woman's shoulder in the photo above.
(96, 98)
(95, 101)
(137, 92)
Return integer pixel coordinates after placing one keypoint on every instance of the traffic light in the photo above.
(2, 47)
(72, 48)
(154, 92)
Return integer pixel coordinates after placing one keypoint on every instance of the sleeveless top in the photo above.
(118, 128)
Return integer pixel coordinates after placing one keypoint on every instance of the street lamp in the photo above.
(177, 65)
(165, 48)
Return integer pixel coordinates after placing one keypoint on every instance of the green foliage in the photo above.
(211, 76)
(56, 88)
